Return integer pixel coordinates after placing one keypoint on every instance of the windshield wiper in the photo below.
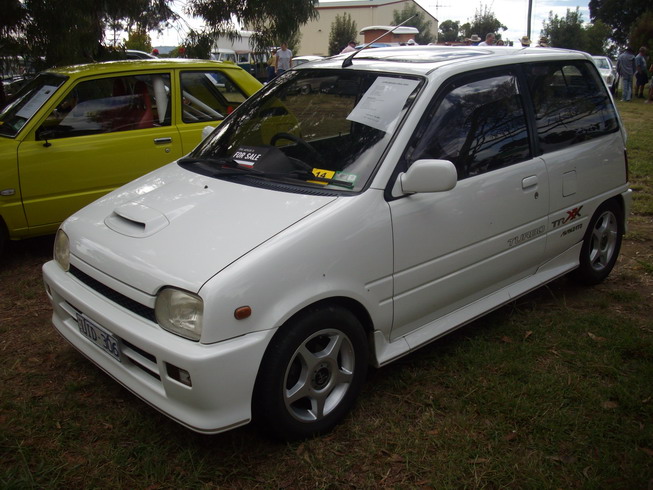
(306, 175)
(228, 166)
(213, 166)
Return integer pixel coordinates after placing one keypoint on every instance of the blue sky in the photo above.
(512, 13)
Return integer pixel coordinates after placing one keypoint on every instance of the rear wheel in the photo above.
(601, 244)
(311, 374)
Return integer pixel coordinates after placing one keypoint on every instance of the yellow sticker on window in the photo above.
(323, 174)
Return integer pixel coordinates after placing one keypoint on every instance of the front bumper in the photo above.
(222, 374)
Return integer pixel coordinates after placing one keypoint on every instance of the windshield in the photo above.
(322, 129)
(28, 101)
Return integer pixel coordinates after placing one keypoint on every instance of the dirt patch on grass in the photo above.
(63, 420)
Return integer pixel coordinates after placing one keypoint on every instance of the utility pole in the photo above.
(438, 5)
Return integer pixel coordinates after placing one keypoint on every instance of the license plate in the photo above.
(99, 336)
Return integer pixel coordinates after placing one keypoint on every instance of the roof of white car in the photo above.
(421, 60)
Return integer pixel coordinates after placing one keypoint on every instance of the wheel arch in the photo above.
(350, 304)
(619, 199)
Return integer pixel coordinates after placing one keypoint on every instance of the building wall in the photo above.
(315, 34)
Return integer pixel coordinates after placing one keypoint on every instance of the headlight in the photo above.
(62, 250)
(180, 312)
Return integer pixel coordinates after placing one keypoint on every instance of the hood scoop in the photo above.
(136, 220)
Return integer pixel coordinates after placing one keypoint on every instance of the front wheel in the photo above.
(311, 374)
(601, 244)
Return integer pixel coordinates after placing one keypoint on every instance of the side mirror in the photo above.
(429, 176)
(207, 131)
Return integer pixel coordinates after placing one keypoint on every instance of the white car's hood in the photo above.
(175, 227)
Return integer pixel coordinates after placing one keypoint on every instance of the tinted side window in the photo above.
(571, 104)
(108, 105)
(208, 96)
(478, 124)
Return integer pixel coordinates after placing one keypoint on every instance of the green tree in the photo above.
(484, 22)
(620, 15)
(641, 33)
(343, 30)
(449, 31)
(197, 45)
(565, 32)
(139, 39)
(78, 32)
(568, 32)
(419, 22)
(272, 21)
(597, 37)
(466, 30)
(12, 22)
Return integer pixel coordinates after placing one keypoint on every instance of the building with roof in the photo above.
(368, 15)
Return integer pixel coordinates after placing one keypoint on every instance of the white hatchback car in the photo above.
(607, 70)
(315, 233)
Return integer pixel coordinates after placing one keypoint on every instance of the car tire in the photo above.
(311, 374)
(601, 244)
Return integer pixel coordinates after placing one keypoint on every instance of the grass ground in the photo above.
(554, 390)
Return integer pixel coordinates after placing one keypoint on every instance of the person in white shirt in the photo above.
(489, 39)
(282, 60)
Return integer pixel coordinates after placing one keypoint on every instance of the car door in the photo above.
(578, 134)
(453, 248)
(104, 132)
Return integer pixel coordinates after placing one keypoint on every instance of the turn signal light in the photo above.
(242, 312)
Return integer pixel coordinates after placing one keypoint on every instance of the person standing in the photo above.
(474, 40)
(350, 48)
(489, 39)
(271, 70)
(626, 69)
(641, 73)
(282, 59)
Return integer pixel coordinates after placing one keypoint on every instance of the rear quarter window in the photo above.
(571, 104)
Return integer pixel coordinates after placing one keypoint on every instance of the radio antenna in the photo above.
(348, 61)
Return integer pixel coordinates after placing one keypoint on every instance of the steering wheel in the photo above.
(296, 139)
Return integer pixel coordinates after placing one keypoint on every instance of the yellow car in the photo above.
(75, 133)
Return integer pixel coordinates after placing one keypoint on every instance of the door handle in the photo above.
(529, 182)
(162, 141)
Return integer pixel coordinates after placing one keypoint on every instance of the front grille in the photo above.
(114, 296)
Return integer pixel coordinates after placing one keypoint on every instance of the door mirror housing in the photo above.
(429, 176)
